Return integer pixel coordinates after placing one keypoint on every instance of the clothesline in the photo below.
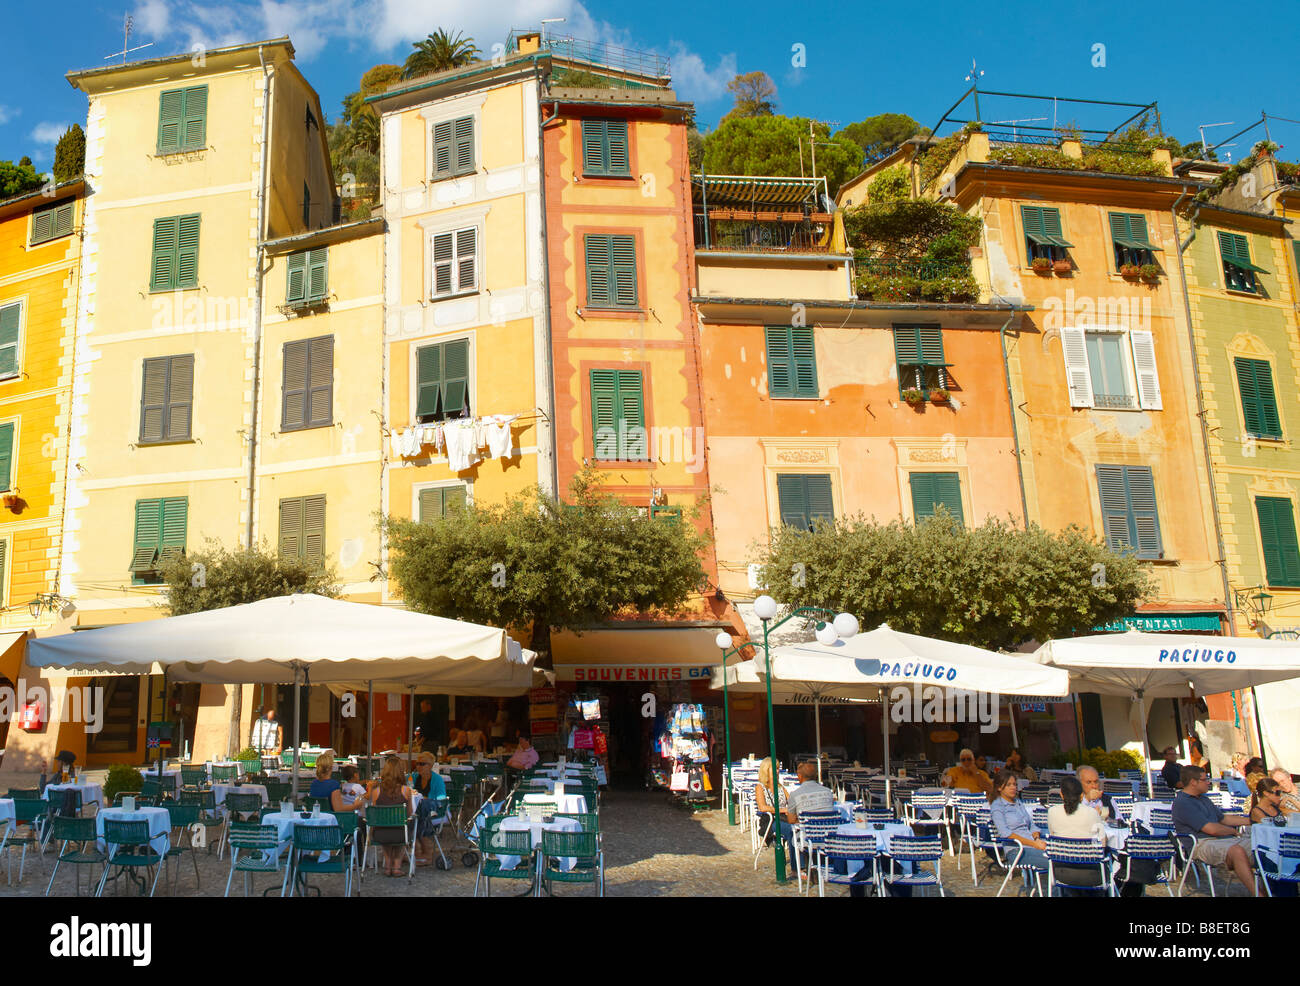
(460, 439)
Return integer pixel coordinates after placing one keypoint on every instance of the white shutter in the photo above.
(1077, 376)
(1144, 365)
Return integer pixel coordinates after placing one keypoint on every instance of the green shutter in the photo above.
(444, 150)
(293, 406)
(805, 361)
(153, 400)
(933, 489)
(623, 261)
(291, 527)
(175, 253)
(297, 286)
(453, 498)
(631, 414)
(595, 148)
(820, 502)
(599, 293)
(616, 153)
(320, 381)
(63, 216)
(7, 455)
(171, 541)
(428, 380)
(11, 317)
(317, 273)
(180, 397)
(195, 133)
(1277, 537)
(1236, 251)
(164, 254)
(439, 501)
(604, 414)
(42, 226)
(907, 345)
(148, 536)
(1116, 518)
(171, 114)
(1258, 400)
(463, 136)
(313, 528)
(1043, 225)
(792, 500)
(52, 222)
(1142, 504)
(455, 376)
(780, 362)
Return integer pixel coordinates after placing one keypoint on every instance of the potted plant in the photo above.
(1041, 265)
(1062, 266)
(1130, 271)
(939, 396)
(1149, 272)
(122, 779)
(913, 396)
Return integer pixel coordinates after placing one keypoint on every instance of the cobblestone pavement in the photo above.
(652, 849)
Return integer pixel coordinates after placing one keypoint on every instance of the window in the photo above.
(617, 415)
(918, 351)
(455, 262)
(308, 277)
(7, 456)
(1238, 272)
(442, 381)
(803, 498)
(183, 120)
(453, 148)
(604, 148)
(11, 321)
(666, 515)
(1258, 402)
(306, 205)
(159, 537)
(438, 501)
(932, 490)
(167, 399)
(1097, 369)
(175, 253)
(611, 271)
(52, 221)
(1128, 234)
(1043, 232)
(1278, 539)
(791, 362)
(1128, 510)
(308, 387)
(302, 527)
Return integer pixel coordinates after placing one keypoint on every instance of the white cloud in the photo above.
(48, 133)
(152, 18)
(693, 79)
(7, 113)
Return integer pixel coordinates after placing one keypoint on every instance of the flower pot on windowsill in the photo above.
(938, 397)
(13, 501)
(1130, 272)
(1149, 273)
(1062, 267)
(1042, 266)
(914, 397)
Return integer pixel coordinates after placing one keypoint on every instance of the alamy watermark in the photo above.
(917, 703)
(84, 704)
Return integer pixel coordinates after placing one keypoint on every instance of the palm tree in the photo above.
(437, 53)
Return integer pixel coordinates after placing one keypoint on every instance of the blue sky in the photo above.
(1201, 61)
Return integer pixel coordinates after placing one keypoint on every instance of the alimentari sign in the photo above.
(632, 672)
(1168, 623)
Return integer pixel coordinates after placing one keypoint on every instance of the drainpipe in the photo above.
(1200, 407)
(1015, 432)
(546, 287)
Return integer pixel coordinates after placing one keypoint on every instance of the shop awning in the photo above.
(660, 653)
(11, 654)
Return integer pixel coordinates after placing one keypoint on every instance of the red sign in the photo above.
(544, 727)
(30, 718)
(541, 696)
(632, 673)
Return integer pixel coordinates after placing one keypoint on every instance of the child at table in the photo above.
(349, 788)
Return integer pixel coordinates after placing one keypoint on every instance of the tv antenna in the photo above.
(550, 20)
(1205, 126)
(974, 79)
(127, 23)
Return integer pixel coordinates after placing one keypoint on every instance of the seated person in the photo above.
(763, 804)
(1073, 819)
(1217, 841)
(809, 795)
(1172, 771)
(328, 789)
(981, 763)
(1255, 773)
(1013, 820)
(349, 786)
(966, 777)
(1093, 796)
(1286, 785)
(1016, 766)
(458, 743)
(390, 790)
(429, 783)
(1266, 802)
(524, 756)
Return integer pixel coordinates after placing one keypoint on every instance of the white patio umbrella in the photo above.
(883, 658)
(1167, 665)
(296, 638)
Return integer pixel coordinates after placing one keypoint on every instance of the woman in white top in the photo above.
(1073, 819)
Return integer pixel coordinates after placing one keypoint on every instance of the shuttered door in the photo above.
(293, 411)
(11, 317)
(7, 455)
(1277, 537)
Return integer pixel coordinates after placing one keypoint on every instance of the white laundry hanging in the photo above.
(496, 429)
(462, 450)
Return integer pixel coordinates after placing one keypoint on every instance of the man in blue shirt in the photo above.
(1217, 840)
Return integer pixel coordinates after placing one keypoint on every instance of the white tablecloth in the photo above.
(1142, 811)
(159, 825)
(569, 804)
(1268, 837)
(6, 815)
(882, 835)
(517, 823)
(169, 777)
(220, 791)
(284, 825)
(89, 792)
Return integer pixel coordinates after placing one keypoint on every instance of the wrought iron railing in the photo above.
(760, 236)
(1114, 402)
(602, 54)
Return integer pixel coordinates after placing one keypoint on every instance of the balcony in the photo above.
(743, 214)
(575, 58)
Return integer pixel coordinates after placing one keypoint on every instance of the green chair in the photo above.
(27, 793)
(182, 818)
(224, 775)
(67, 803)
(81, 832)
(250, 767)
(239, 808)
(583, 848)
(286, 759)
(383, 825)
(129, 849)
(590, 821)
(277, 791)
(209, 815)
(348, 825)
(151, 790)
(254, 848)
(311, 839)
(29, 813)
(193, 778)
(498, 843)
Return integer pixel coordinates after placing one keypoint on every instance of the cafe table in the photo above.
(522, 823)
(90, 793)
(567, 804)
(1267, 838)
(219, 791)
(159, 820)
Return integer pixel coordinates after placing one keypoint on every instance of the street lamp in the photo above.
(723, 640)
(832, 627)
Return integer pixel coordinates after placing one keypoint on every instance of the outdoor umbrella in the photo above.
(1166, 665)
(884, 658)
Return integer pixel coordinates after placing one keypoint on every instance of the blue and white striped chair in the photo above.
(1123, 807)
(850, 849)
(809, 833)
(916, 850)
(981, 836)
(1078, 854)
(928, 811)
(1162, 821)
(1013, 855)
(1147, 847)
(1269, 864)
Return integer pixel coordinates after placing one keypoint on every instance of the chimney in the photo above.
(529, 43)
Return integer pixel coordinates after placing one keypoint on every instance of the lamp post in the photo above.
(830, 629)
